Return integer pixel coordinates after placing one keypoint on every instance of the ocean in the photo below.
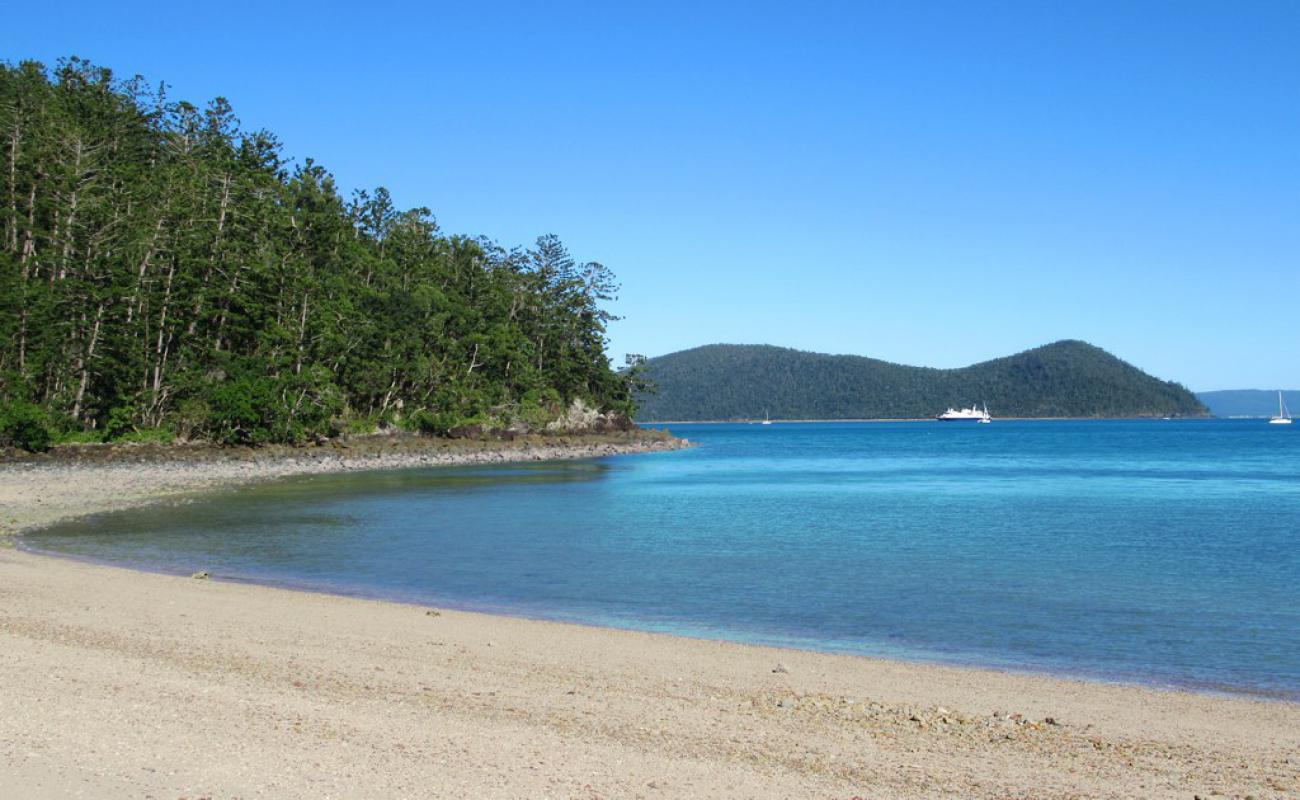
(1156, 552)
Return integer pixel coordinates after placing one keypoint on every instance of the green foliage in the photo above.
(192, 418)
(433, 423)
(368, 423)
(538, 407)
(120, 423)
(148, 436)
(162, 268)
(242, 411)
(253, 408)
(76, 437)
(1065, 379)
(24, 426)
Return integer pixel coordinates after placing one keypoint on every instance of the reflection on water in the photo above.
(1155, 551)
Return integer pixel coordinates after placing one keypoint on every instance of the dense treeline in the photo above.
(163, 271)
(1065, 379)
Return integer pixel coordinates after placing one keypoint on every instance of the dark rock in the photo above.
(466, 432)
(621, 422)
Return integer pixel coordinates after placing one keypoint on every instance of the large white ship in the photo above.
(971, 414)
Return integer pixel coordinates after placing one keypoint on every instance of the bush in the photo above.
(360, 426)
(120, 423)
(148, 436)
(538, 407)
(249, 407)
(241, 410)
(24, 426)
(76, 437)
(311, 406)
(193, 418)
(433, 423)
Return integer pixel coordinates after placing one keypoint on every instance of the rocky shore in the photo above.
(70, 481)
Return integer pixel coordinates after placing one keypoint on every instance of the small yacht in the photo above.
(1283, 416)
(766, 419)
(971, 414)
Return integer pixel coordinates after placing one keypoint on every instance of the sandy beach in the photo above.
(115, 683)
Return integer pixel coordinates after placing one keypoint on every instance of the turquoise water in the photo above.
(1163, 552)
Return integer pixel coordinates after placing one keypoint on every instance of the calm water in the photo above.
(1161, 552)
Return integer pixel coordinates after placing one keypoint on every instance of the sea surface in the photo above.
(1157, 552)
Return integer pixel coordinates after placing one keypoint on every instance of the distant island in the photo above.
(1246, 402)
(1064, 379)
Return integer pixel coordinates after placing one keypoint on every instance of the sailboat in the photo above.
(1283, 417)
(766, 419)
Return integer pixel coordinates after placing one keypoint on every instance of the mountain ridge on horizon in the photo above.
(1067, 378)
(1251, 403)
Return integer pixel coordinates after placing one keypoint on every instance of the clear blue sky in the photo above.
(930, 183)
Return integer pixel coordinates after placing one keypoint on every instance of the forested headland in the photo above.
(165, 272)
(1063, 379)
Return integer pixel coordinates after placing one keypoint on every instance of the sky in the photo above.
(931, 183)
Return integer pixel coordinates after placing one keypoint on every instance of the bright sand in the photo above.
(116, 683)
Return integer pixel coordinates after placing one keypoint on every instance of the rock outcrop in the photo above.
(581, 418)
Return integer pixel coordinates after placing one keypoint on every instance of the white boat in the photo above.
(1283, 416)
(766, 419)
(971, 414)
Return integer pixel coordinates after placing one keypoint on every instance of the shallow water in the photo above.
(1163, 552)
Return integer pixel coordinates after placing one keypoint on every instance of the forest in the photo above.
(165, 272)
(1063, 379)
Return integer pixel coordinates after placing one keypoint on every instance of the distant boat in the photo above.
(1283, 416)
(766, 419)
(971, 414)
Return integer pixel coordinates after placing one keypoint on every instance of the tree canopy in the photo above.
(164, 269)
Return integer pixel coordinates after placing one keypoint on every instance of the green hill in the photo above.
(1064, 379)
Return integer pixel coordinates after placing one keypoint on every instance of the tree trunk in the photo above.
(29, 235)
(214, 263)
(15, 139)
(68, 250)
(136, 306)
(163, 344)
(302, 336)
(84, 363)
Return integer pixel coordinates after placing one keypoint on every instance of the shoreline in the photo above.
(19, 543)
(41, 490)
(510, 705)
